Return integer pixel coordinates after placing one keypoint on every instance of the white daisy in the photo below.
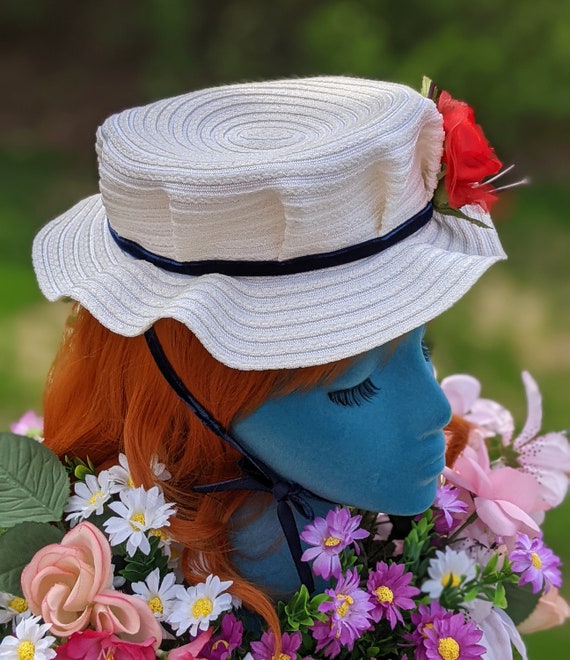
(449, 568)
(196, 606)
(120, 475)
(159, 596)
(159, 469)
(28, 642)
(90, 497)
(12, 607)
(121, 478)
(140, 511)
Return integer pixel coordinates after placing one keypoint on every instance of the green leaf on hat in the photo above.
(34, 485)
(17, 547)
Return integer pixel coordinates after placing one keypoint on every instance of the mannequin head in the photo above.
(353, 440)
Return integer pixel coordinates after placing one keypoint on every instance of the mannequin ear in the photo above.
(456, 437)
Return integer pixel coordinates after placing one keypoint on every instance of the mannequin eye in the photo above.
(355, 396)
(426, 350)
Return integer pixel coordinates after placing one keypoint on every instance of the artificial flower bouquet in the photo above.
(95, 574)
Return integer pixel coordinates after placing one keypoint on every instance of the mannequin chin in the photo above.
(372, 439)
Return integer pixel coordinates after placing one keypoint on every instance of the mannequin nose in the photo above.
(433, 400)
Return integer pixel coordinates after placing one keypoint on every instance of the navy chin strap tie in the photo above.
(292, 266)
(257, 475)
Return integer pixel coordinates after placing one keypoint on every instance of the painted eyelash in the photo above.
(355, 396)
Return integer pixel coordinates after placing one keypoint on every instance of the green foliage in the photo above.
(17, 547)
(301, 610)
(33, 483)
(139, 566)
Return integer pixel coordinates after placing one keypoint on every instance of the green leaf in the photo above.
(17, 547)
(33, 483)
(521, 602)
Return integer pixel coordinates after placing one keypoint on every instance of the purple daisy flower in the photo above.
(453, 638)
(449, 508)
(329, 537)
(349, 616)
(390, 592)
(536, 564)
(221, 646)
(422, 618)
(265, 648)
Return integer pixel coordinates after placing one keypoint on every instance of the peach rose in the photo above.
(70, 585)
(62, 580)
(127, 616)
(552, 610)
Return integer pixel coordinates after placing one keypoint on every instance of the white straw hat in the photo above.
(249, 178)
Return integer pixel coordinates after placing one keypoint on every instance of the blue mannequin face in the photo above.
(372, 438)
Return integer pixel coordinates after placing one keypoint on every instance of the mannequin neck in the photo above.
(261, 553)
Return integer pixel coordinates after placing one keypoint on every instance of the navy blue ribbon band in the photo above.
(257, 475)
(302, 264)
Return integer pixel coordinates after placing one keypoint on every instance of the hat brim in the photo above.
(254, 323)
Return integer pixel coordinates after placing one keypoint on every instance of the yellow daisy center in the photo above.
(426, 625)
(97, 495)
(448, 648)
(202, 607)
(137, 518)
(384, 594)
(26, 650)
(343, 608)
(535, 560)
(331, 541)
(18, 604)
(283, 656)
(450, 580)
(130, 482)
(158, 532)
(156, 605)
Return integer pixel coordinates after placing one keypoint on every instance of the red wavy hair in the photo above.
(105, 395)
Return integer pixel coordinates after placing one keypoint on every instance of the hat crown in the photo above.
(270, 170)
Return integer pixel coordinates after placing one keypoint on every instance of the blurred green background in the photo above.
(66, 65)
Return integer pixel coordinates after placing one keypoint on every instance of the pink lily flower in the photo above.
(503, 498)
(545, 457)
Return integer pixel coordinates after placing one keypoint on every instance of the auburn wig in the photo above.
(105, 395)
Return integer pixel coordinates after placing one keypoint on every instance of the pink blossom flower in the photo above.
(349, 616)
(265, 649)
(463, 393)
(70, 585)
(545, 457)
(29, 424)
(94, 645)
(329, 537)
(536, 564)
(390, 592)
(552, 610)
(453, 637)
(502, 498)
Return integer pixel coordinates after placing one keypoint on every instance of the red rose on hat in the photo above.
(467, 155)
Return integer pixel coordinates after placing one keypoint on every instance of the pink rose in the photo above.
(70, 585)
(552, 610)
(62, 580)
(92, 645)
